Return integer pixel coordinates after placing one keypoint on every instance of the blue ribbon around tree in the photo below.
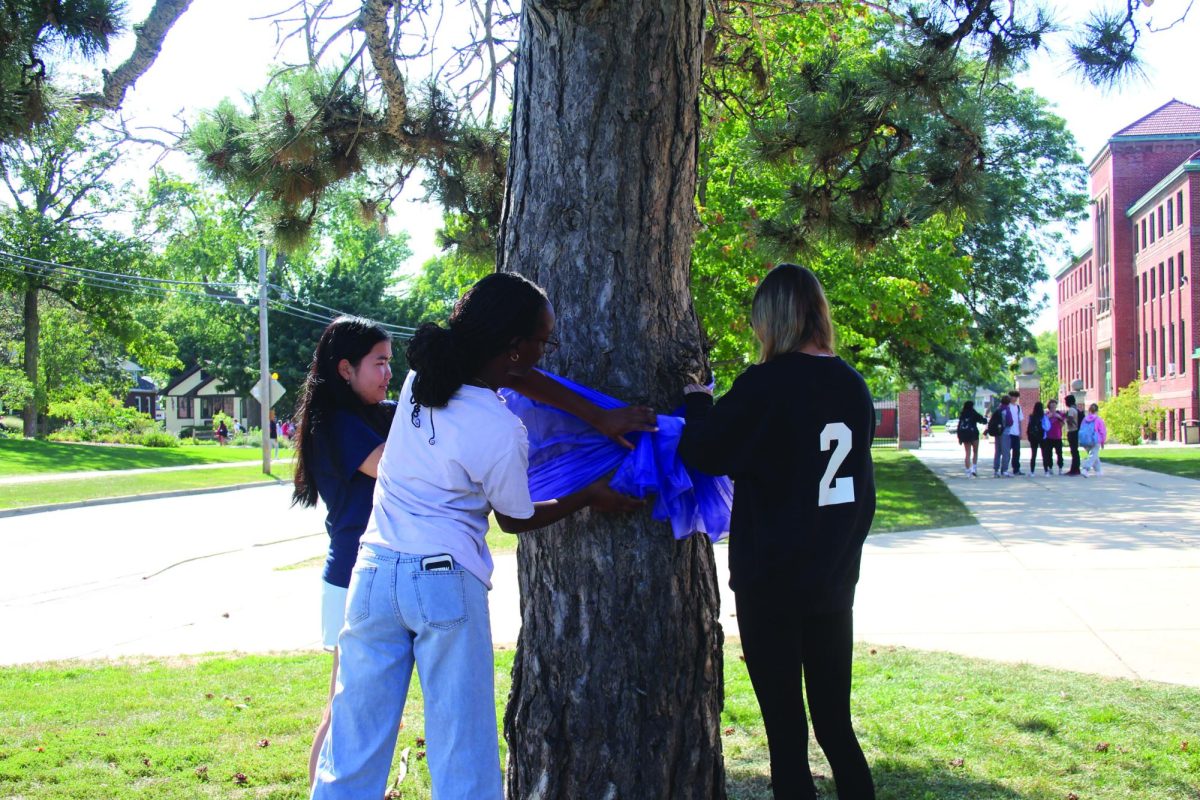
(566, 454)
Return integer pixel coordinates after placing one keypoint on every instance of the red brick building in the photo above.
(1127, 306)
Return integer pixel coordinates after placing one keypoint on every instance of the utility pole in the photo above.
(264, 362)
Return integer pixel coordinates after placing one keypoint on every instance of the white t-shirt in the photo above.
(433, 498)
(1017, 416)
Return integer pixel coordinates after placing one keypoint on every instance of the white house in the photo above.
(194, 397)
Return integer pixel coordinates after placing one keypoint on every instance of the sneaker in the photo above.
(1097, 471)
(1060, 469)
(995, 473)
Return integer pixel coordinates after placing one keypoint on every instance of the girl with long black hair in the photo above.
(343, 419)
(418, 594)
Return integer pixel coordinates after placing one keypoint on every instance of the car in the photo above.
(952, 426)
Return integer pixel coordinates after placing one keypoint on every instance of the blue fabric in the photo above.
(566, 454)
(341, 448)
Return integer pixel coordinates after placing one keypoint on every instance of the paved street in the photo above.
(1099, 576)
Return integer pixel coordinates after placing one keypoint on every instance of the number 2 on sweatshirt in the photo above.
(833, 490)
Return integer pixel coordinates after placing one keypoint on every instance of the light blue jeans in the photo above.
(397, 615)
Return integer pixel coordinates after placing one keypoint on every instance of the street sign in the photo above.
(277, 391)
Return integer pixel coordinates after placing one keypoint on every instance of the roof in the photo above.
(1171, 119)
(180, 379)
(1073, 263)
(1167, 183)
(144, 384)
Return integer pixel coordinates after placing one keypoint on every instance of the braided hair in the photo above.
(325, 392)
(490, 316)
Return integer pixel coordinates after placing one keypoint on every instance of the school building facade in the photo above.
(1128, 305)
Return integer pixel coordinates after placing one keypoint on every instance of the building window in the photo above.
(1183, 348)
(1162, 284)
(1152, 292)
(209, 406)
(1182, 277)
(1162, 348)
(1170, 216)
(185, 408)
(1179, 206)
(1143, 231)
(1160, 222)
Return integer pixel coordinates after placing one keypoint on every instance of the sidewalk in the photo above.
(97, 474)
(1095, 575)
(1098, 575)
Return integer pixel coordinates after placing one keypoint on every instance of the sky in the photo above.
(216, 50)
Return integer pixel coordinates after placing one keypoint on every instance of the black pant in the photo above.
(1073, 441)
(1014, 444)
(781, 646)
(1049, 447)
(1035, 446)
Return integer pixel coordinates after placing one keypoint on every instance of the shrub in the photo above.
(100, 417)
(1129, 416)
(159, 439)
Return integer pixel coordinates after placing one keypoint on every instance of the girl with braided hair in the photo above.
(418, 594)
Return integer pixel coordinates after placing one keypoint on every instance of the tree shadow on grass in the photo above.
(892, 782)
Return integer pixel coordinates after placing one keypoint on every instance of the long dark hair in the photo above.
(488, 319)
(967, 410)
(1038, 410)
(324, 392)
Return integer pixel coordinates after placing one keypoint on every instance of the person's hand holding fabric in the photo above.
(616, 422)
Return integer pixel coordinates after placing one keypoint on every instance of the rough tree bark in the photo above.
(617, 685)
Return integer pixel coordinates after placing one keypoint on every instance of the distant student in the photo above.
(1035, 432)
(1073, 417)
(998, 425)
(1092, 435)
(1052, 425)
(969, 421)
(1014, 430)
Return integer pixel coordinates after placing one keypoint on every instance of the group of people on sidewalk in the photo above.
(1043, 429)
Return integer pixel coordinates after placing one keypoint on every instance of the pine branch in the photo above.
(150, 36)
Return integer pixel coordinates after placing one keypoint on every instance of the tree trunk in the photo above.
(33, 329)
(617, 684)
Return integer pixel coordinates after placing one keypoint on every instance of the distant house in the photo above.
(194, 397)
(144, 394)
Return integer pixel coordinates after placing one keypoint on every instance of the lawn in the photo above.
(33, 456)
(934, 727)
(1181, 461)
(910, 497)
(69, 490)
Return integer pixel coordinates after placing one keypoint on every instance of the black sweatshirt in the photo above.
(777, 432)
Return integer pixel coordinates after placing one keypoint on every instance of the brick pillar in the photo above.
(1029, 387)
(908, 419)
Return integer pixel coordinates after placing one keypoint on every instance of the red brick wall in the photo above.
(908, 411)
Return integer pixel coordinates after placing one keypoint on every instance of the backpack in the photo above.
(1087, 432)
(1046, 425)
(996, 423)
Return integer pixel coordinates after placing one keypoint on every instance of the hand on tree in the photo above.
(603, 498)
(616, 422)
(692, 388)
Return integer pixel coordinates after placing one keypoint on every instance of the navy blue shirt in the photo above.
(340, 449)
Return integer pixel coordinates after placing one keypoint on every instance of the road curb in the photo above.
(104, 501)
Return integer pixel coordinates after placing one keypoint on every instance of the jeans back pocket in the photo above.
(442, 598)
(358, 600)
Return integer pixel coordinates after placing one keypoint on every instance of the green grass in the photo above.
(34, 457)
(24, 495)
(1181, 461)
(933, 726)
(910, 497)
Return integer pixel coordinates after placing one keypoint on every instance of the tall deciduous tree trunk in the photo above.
(617, 685)
(33, 329)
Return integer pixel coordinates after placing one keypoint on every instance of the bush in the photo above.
(99, 417)
(1129, 416)
(159, 439)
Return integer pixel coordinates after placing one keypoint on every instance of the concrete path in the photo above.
(1094, 575)
(1097, 575)
(94, 474)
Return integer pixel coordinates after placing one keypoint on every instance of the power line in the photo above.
(120, 275)
(110, 285)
